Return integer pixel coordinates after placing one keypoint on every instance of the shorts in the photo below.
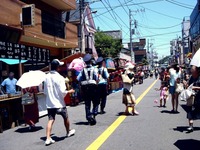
(172, 90)
(60, 111)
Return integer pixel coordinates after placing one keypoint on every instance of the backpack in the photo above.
(88, 79)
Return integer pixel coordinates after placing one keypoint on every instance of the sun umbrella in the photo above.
(77, 64)
(196, 59)
(31, 78)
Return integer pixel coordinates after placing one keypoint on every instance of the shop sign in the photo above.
(17, 51)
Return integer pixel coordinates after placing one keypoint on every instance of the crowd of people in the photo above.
(174, 80)
(93, 81)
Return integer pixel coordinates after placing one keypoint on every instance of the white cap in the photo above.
(57, 62)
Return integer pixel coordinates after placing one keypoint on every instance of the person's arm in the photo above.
(196, 88)
(106, 73)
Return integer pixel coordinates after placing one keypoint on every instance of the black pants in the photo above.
(102, 95)
(89, 93)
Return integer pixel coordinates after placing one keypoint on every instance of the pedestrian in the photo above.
(88, 80)
(141, 76)
(128, 98)
(194, 111)
(174, 74)
(10, 84)
(156, 73)
(55, 91)
(163, 93)
(103, 76)
(31, 112)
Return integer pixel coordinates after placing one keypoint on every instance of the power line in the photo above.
(117, 14)
(160, 13)
(144, 26)
(161, 34)
(123, 7)
(110, 13)
(125, 4)
(178, 4)
(183, 3)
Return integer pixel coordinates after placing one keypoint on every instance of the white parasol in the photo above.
(196, 59)
(31, 78)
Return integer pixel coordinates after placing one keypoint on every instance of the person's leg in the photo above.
(190, 129)
(51, 116)
(164, 102)
(173, 103)
(103, 104)
(64, 114)
(176, 101)
(160, 102)
(49, 128)
(87, 109)
(126, 110)
(134, 111)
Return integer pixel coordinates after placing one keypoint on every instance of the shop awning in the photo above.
(70, 58)
(12, 61)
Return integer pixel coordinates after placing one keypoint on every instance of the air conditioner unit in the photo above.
(28, 15)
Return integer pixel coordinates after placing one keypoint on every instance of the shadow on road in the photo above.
(187, 144)
(26, 130)
(81, 123)
(166, 111)
(184, 128)
(56, 138)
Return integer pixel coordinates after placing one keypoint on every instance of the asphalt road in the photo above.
(154, 129)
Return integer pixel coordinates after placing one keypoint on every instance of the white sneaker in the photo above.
(71, 132)
(49, 141)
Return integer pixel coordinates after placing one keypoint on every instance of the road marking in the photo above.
(104, 136)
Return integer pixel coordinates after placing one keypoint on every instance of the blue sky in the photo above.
(162, 18)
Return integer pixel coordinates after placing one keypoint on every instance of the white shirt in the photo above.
(55, 90)
(173, 76)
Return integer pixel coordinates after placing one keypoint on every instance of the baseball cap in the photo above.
(87, 57)
(100, 59)
(57, 62)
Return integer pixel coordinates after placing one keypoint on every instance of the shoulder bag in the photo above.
(126, 79)
(28, 98)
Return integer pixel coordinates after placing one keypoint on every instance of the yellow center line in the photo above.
(104, 136)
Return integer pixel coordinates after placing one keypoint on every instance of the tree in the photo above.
(106, 45)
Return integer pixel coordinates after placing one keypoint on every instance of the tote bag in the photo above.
(27, 98)
(126, 79)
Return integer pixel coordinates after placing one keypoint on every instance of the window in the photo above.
(53, 25)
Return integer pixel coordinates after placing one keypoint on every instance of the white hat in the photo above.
(57, 62)
(129, 65)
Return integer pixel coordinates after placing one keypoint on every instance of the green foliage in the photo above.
(106, 45)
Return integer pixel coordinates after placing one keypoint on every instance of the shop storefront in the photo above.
(16, 58)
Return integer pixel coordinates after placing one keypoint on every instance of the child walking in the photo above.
(163, 93)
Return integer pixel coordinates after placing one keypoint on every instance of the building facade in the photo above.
(195, 28)
(49, 30)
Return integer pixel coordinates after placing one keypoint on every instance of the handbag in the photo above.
(28, 99)
(190, 101)
(126, 79)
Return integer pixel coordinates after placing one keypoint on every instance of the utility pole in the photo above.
(81, 7)
(131, 44)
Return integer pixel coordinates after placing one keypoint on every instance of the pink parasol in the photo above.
(77, 64)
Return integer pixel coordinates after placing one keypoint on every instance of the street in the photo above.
(154, 129)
